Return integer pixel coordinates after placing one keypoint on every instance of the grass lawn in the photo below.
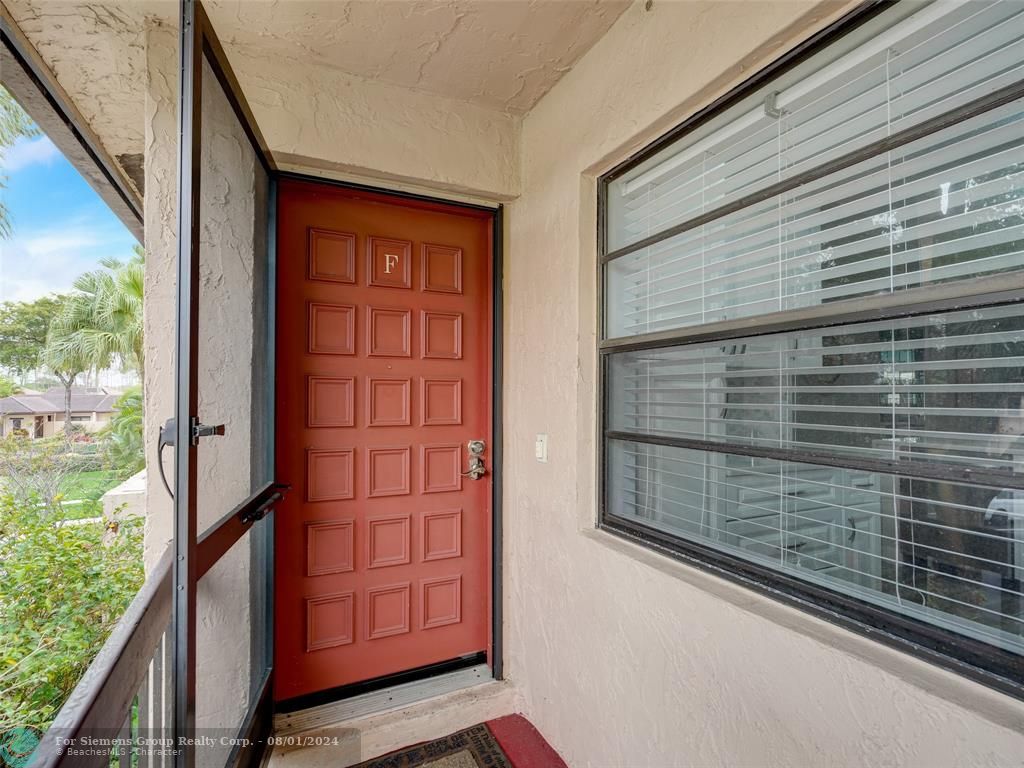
(90, 486)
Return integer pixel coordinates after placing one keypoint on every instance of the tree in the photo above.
(102, 320)
(14, 123)
(66, 361)
(8, 387)
(23, 330)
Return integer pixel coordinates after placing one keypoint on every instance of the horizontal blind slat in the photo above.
(945, 208)
(875, 537)
(949, 61)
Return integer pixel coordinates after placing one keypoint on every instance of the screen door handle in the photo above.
(205, 430)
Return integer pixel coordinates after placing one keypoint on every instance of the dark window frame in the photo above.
(981, 662)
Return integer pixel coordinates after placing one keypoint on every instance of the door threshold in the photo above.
(393, 697)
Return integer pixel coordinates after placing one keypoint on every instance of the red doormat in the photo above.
(508, 742)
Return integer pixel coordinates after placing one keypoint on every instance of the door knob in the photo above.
(477, 468)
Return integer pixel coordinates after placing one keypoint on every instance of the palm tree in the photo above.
(124, 433)
(99, 323)
(66, 362)
(14, 124)
(102, 320)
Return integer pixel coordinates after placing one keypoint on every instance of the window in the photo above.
(812, 341)
(79, 417)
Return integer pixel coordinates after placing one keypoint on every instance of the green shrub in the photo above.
(63, 586)
(35, 469)
(123, 436)
(8, 386)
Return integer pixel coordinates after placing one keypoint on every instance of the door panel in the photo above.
(383, 378)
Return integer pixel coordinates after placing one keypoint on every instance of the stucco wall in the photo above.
(625, 657)
(161, 273)
(314, 116)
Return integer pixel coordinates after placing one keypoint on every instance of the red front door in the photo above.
(383, 379)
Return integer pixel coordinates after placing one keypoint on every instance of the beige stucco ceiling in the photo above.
(499, 54)
(503, 54)
(97, 53)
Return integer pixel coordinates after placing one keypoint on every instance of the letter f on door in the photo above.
(390, 262)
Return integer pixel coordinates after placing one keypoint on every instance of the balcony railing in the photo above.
(126, 690)
(127, 694)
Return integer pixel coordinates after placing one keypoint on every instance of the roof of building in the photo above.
(83, 399)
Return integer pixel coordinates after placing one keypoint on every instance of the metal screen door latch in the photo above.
(280, 489)
(477, 468)
(205, 430)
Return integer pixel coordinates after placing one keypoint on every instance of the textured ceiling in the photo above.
(500, 54)
(503, 54)
(96, 51)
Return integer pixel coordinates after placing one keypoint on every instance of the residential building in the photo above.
(650, 368)
(43, 414)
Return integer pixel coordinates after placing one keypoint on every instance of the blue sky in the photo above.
(61, 226)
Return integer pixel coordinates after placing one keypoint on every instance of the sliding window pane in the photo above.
(945, 387)
(942, 56)
(949, 554)
(946, 208)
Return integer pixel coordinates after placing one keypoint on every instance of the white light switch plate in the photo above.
(540, 448)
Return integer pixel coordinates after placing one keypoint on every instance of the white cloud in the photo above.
(26, 152)
(37, 262)
(24, 277)
(58, 243)
(29, 289)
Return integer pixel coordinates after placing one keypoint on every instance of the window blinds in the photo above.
(939, 552)
(807, 194)
(959, 52)
(944, 208)
(945, 387)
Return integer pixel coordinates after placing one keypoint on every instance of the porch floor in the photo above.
(506, 741)
(351, 741)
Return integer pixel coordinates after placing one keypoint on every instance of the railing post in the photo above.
(124, 740)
